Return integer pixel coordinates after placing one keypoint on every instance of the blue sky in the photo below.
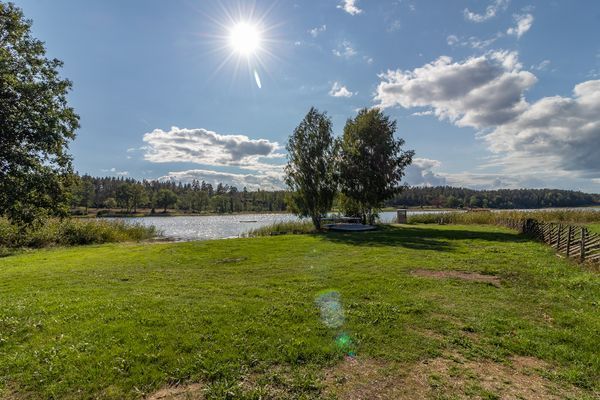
(489, 93)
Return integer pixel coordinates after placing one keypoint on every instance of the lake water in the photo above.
(225, 226)
(232, 226)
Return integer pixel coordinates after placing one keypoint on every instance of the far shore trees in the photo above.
(371, 162)
(165, 198)
(36, 125)
(310, 172)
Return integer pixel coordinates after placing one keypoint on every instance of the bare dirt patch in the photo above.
(467, 276)
(192, 391)
(444, 377)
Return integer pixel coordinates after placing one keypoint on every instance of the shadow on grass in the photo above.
(414, 237)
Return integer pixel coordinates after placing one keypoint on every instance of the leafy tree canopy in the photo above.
(372, 161)
(36, 124)
(310, 172)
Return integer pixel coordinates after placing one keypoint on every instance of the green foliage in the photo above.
(492, 218)
(196, 197)
(72, 232)
(453, 197)
(119, 321)
(372, 161)
(165, 198)
(36, 124)
(281, 228)
(310, 172)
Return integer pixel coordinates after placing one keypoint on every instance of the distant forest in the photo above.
(451, 197)
(129, 195)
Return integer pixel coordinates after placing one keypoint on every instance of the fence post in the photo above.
(558, 237)
(569, 233)
(582, 246)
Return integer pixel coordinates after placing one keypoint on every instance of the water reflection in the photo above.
(223, 226)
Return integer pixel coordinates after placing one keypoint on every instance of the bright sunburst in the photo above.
(244, 38)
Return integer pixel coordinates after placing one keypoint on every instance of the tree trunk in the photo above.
(317, 222)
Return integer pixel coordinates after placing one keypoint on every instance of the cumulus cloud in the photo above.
(554, 132)
(523, 24)
(264, 181)
(338, 90)
(490, 12)
(202, 146)
(554, 136)
(350, 7)
(420, 173)
(477, 92)
(317, 31)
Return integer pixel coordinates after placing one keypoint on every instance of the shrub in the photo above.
(71, 232)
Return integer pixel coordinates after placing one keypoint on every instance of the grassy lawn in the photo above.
(306, 316)
(594, 228)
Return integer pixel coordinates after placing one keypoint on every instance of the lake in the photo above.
(233, 226)
(225, 226)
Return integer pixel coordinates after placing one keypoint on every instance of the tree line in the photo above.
(128, 195)
(453, 197)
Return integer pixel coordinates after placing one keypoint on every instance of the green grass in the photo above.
(594, 228)
(118, 321)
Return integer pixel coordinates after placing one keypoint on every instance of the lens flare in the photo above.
(332, 313)
(257, 79)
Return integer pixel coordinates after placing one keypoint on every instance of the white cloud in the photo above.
(553, 133)
(477, 92)
(542, 66)
(452, 40)
(350, 7)
(422, 113)
(317, 31)
(420, 173)
(115, 172)
(202, 146)
(345, 50)
(473, 41)
(264, 181)
(552, 137)
(490, 12)
(338, 90)
(523, 24)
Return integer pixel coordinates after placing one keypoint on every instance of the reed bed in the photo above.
(497, 217)
(282, 228)
(72, 232)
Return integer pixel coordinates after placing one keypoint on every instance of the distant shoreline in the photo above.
(93, 213)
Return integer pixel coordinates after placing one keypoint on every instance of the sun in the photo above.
(244, 38)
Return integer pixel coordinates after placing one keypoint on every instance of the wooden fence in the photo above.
(569, 240)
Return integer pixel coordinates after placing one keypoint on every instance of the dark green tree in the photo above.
(372, 161)
(36, 125)
(165, 198)
(124, 195)
(139, 197)
(310, 171)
